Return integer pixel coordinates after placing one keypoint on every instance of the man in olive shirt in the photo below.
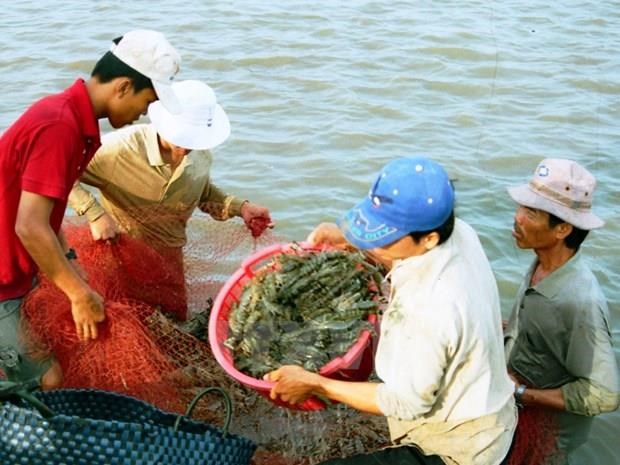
(558, 339)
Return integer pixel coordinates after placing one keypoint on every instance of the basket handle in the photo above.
(200, 395)
(10, 389)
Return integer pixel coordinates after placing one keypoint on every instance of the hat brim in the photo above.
(582, 219)
(190, 135)
(167, 97)
(362, 227)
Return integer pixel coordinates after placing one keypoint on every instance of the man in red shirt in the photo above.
(41, 156)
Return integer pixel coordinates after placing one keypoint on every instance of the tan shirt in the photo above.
(143, 195)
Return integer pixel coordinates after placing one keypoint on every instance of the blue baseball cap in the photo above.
(409, 195)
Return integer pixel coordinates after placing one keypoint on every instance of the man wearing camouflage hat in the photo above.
(558, 340)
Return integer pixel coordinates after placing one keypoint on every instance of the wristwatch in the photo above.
(519, 393)
(71, 255)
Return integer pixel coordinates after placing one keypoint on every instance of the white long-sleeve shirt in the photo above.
(441, 356)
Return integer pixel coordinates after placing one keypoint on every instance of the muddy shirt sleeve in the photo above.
(592, 359)
(584, 397)
(218, 204)
(99, 172)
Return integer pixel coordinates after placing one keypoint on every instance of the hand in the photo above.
(256, 218)
(104, 228)
(328, 234)
(293, 384)
(87, 311)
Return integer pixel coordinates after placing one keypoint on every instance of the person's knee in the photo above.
(52, 378)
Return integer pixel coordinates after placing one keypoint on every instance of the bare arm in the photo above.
(550, 398)
(33, 228)
(63, 241)
(294, 385)
(581, 397)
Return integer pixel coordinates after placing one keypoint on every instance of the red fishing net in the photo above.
(124, 358)
(139, 351)
(144, 351)
(129, 268)
(535, 438)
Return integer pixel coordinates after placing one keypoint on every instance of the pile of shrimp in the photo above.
(303, 308)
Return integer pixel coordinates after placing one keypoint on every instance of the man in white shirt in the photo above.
(444, 388)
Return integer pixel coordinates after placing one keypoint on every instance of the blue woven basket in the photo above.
(90, 427)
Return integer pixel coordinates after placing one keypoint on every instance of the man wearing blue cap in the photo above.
(444, 387)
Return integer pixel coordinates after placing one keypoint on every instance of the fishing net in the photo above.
(146, 350)
(535, 438)
(138, 282)
(129, 268)
(124, 358)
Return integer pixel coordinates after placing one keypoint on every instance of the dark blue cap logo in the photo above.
(360, 227)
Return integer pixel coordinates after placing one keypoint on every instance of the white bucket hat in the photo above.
(202, 123)
(150, 53)
(563, 188)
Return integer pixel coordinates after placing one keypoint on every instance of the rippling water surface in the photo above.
(321, 95)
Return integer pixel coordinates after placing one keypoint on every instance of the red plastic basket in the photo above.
(355, 365)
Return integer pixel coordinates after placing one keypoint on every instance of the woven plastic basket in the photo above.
(90, 427)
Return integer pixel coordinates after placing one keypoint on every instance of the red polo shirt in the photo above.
(43, 152)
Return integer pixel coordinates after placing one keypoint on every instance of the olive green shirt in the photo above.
(144, 196)
(558, 336)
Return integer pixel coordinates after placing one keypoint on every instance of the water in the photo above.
(321, 95)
